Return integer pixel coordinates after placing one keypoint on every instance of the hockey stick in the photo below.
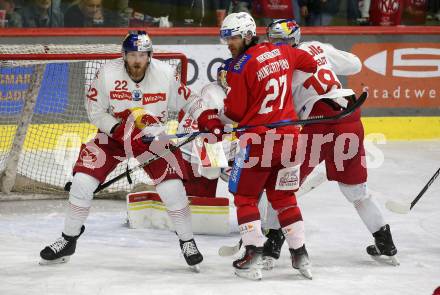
(226, 251)
(191, 136)
(404, 208)
(305, 188)
(311, 120)
(127, 173)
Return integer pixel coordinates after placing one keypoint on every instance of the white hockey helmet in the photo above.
(285, 29)
(240, 23)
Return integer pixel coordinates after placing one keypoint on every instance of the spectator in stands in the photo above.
(86, 13)
(12, 19)
(267, 10)
(433, 10)
(318, 12)
(353, 11)
(415, 12)
(364, 9)
(198, 12)
(240, 6)
(117, 13)
(41, 13)
(66, 4)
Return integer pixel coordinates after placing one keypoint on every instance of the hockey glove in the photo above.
(142, 119)
(127, 134)
(209, 121)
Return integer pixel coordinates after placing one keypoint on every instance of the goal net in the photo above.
(43, 120)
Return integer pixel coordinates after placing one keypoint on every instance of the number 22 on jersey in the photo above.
(272, 88)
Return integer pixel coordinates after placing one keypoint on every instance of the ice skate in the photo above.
(250, 265)
(301, 261)
(192, 255)
(384, 250)
(61, 250)
(272, 248)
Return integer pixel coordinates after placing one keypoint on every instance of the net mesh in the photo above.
(52, 92)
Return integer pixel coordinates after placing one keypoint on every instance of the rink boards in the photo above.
(71, 135)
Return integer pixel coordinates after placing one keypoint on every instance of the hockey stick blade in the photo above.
(397, 207)
(404, 208)
(226, 251)
(312, 183)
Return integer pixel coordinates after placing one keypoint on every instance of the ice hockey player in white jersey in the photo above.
(129, 99)
(321, 94)
(205, 170)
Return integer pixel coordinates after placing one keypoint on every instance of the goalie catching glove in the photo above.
(209, 121)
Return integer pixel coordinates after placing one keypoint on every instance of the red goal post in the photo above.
(43, 119)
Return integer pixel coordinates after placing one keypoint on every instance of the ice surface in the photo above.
(112, 259)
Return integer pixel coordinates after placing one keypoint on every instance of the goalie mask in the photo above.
(286, 30)
(241, 24)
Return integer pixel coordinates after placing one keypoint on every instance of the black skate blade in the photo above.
(55, 261)
(254, 274)
(391, 260)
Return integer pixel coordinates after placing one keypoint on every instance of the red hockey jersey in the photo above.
(259, 85)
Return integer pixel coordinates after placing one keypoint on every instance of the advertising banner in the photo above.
(402, 75)
(203, 61)
(15, 82)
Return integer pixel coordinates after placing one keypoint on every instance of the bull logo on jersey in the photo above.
(89, 156)
(389, 6)
(136, 95)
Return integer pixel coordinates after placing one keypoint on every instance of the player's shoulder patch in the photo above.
(237, 66)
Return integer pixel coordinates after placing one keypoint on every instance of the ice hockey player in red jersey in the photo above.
(130, 97)
(321, 94)
(258, 93)
(203, 176)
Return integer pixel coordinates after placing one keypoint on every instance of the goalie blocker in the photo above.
(209, 215)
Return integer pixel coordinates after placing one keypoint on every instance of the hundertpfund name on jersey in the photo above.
(273, 67)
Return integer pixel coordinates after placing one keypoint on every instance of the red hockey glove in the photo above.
(129, 135)
(209, 121)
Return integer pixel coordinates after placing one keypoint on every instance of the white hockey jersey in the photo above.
(212, 95)
(113, 92)
(309, 88)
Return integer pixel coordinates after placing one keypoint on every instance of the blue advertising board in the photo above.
(53, 94)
